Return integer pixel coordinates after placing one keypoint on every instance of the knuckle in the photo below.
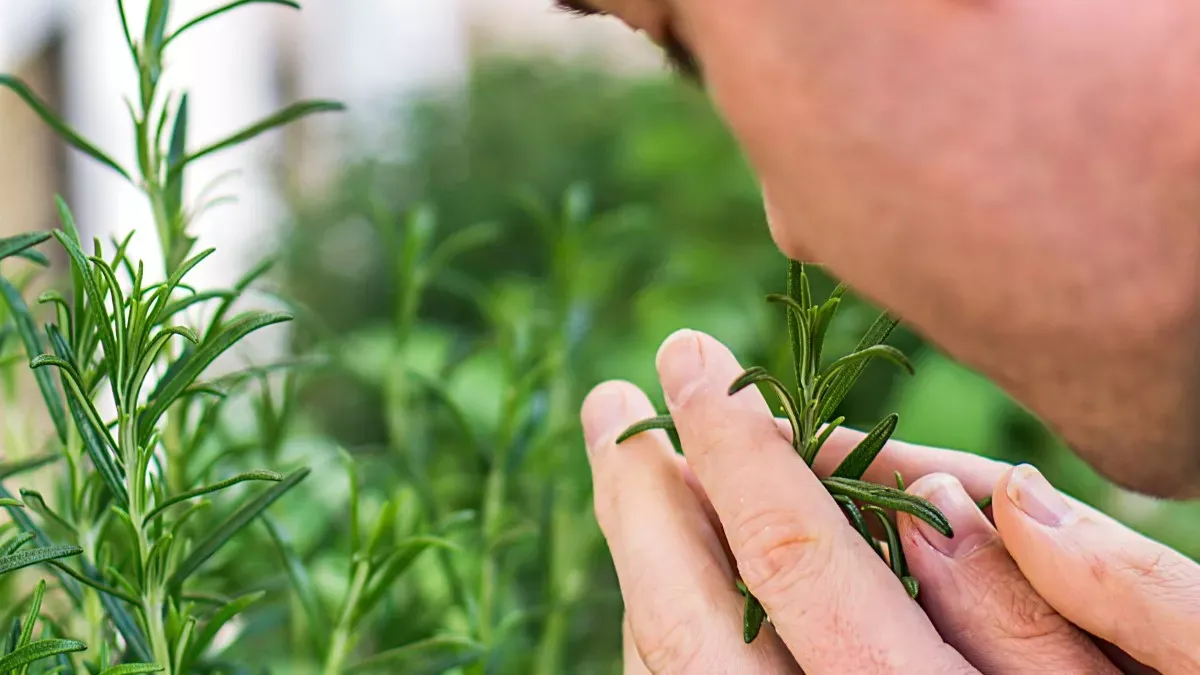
(1029, 617)
(669, 645)
(776, 553)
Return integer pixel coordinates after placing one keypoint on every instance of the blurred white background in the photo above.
(370, 54)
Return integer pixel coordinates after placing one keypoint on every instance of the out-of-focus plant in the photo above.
(146, 498)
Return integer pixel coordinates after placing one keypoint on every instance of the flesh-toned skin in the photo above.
(1019, 180)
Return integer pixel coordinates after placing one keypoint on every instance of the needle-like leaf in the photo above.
(232, 525)
(10, 246)
(843, 381)
(36, 651)
(34, 556)
(133, 669)
(64, 130)
(33, 347)
(890, 498)
(661, 422)
(259, 475)
(860, 458)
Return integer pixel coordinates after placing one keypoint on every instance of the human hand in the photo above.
(1052, 586)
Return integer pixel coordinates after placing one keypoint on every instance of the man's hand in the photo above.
(1052, 586)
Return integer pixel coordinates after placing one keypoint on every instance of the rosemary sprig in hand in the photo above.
(809, 411)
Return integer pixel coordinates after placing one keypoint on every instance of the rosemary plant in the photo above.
(810, 410)
(121, 375)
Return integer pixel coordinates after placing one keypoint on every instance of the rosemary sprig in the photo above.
(809, 410)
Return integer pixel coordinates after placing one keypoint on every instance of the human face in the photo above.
(1019, 180)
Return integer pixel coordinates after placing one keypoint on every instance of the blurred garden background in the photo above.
(467, 259)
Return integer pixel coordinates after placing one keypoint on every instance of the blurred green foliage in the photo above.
(622, 211)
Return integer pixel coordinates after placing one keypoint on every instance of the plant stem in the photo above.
(342, 641)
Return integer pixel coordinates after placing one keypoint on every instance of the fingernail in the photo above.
(602, 416)
(1034, 495)
(680, 366)
(971, 528)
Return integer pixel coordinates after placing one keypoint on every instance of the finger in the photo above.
(1114, 583)
(680, 597)
(632, 660)
(828, 596)
(979, 600)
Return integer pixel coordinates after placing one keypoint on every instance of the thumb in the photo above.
(1135, 593)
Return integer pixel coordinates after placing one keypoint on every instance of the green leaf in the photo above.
(797, 333)
(16, 542)
(891, 498)
(425, 657)
(761, 376)
(34, 500)
(33, 347)
(10, 469)
(218, 620)
(877, 351)
(10, 246)
(820, 440)
(82, 269)
(64, 131)
(94, 583)
(856, 519)
(753, 616)
(5, 501)
(661, 422)
(183, 372)
(821, 327)
(34, 556)
(174, 189)
(984, 503)
(895, 546)
(841, 383)
(223, 9)
(301, 583)
(206, 489)
(133, 669)
(35, 609)
(237, 520)
(912, 586)
(860, 458)
(97, 442)
(287, 115)
(900, 482)
(36, 651)
(392, 566)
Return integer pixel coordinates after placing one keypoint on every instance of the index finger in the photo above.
(829, 597)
